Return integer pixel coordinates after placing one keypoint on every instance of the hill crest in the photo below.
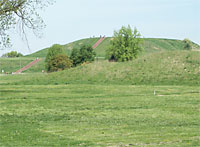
(150, 45)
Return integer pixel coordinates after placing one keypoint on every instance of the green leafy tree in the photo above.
(52, 52)
(12, 54)
(59, 62)
(20, 13)
(84, 54)
(125, 46)
(87, 53)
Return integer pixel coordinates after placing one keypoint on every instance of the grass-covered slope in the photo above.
(13, 64)
(68, 47)
(10, 65)
(150, 45)
(164, 68)
(39, 67)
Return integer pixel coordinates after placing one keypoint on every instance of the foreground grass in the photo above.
(99, 115)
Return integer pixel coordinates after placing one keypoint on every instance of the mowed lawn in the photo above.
(99, 115)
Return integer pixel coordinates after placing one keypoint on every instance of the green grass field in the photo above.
(99, 115)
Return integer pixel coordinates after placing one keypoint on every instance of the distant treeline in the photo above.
(12, 54)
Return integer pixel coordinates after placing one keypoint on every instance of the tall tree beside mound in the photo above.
(22, 14)
(57, 59)
(84, 54)
(125, 46)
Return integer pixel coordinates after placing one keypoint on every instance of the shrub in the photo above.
(188, 44)
(59, 62)
(84, 54)
(75, 56)
(57, 59)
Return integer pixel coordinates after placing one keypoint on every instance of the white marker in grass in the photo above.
(154, 92)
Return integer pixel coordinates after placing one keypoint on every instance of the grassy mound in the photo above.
(150, 45)
(68, 47)
(164, 68)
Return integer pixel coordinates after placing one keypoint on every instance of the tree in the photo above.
(12, 54)
(188, 44)
(59, 62)
(125, 46)
(52, 52)
(22, 13)
(19, 55)
(87, 53)
(84, 54)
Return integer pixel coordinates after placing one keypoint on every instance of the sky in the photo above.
(70, 20)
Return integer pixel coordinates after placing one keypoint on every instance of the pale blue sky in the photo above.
(70, 20)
